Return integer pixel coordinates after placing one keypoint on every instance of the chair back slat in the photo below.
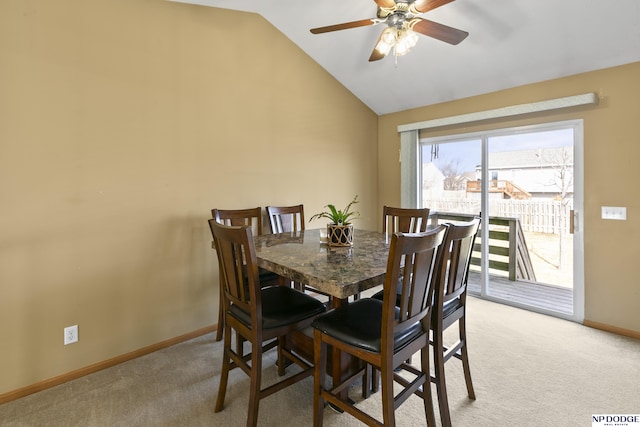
(405, 220)
(286, 219)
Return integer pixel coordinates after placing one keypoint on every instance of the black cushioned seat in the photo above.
(447, 308)
(359, 325)
(267, 276)
(281, 305)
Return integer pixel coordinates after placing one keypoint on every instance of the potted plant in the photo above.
(340, 229)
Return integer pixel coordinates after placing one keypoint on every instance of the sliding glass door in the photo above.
(526, 183)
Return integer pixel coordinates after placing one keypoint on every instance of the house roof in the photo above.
(510, 43)
(539, 158)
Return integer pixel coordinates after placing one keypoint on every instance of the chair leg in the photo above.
(320, 362)
(370, 381)
(388, 410)
(224, 375)
(256, 378)
(375, 380)
(366, 381)
(464, 356)
(282, 363)
(441, 384)
(426, 388)
(240, 345)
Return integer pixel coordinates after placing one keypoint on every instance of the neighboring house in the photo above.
(542, 173)
(432, 181)
(464, 178)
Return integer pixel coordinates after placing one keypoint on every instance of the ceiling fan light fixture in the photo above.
(405, 41)
(400, 40)
(387, 40)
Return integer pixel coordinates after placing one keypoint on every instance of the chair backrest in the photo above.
(413, 259)
(405, 220)
(237, 258)
(456, 258)
(251, 217)
(285, 219)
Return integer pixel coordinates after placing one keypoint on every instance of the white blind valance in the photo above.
(510, 111)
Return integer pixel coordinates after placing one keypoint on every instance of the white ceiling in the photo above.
(510, 43)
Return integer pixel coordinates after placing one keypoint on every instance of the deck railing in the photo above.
(508, 252)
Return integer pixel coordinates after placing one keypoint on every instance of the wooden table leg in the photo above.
(342, 364)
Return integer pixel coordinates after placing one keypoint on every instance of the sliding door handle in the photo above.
(572, 214)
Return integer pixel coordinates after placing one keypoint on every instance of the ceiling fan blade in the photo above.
(344, 26)
(423, 6)
(387, 4)
(375, 55)
(437, 31)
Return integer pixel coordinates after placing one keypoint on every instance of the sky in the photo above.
(468, 152)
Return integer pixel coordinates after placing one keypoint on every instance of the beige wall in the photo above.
(611, 152)
(122, 123)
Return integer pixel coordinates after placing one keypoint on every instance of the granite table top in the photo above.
(337, 271)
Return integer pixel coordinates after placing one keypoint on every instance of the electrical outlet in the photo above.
(70, 334)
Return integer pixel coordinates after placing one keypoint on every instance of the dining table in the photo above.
(339, 271)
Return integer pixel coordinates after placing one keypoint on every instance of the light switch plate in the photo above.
(614, 212)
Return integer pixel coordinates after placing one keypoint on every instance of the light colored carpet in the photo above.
(528, 370)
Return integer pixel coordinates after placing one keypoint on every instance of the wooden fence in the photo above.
(543, 216)
(537, 215)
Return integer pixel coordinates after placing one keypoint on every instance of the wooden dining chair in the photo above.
(406, 220)
(286, 219)
(263, 316)
(251, 217)
(383, 335)
(450, 307)
(289, 219)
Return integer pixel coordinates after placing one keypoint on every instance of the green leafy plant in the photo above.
(339, 217)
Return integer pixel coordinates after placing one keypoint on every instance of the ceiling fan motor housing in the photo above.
(396, 16)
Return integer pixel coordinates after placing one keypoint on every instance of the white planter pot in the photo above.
(339, 235)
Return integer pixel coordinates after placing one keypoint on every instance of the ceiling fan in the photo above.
(403, 24)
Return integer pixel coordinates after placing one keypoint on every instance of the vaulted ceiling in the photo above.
(510, 43)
